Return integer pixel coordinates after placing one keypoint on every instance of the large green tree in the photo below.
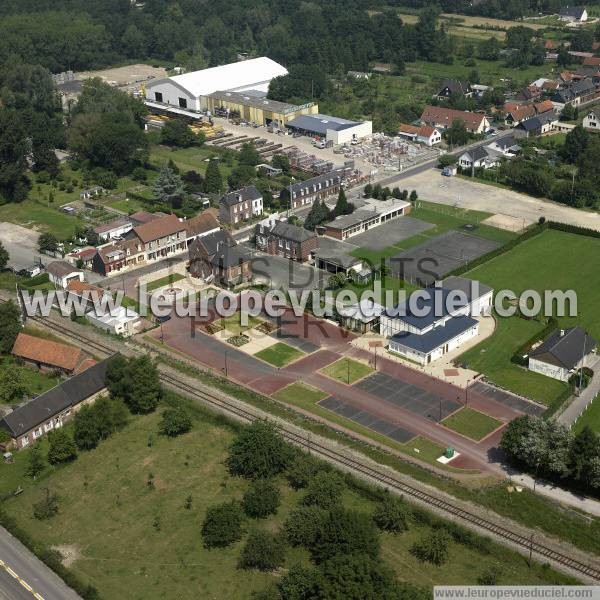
(213, 181)
(14, 185)
(10, 325)
(168, 187)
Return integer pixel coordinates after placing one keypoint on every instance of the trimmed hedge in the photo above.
(517, 357)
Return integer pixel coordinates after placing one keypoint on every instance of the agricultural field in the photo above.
(108, 515)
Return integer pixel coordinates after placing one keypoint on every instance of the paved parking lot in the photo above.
(21, 244)
(390, 233)
(437, 256)
(408, 396)
(367, 419)
(508, 399)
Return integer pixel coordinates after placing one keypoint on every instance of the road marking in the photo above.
(23, 583)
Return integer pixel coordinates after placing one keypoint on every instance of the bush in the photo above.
(432, 548)
(391, 515)
(345, 532)
(261, 499)
(302, 469)
(47, 507)
(222, 525)
(324, 490)
(303, 524)
(174, 422)
(62, 447)
(263, 551)
(98, 421)
(258, 452)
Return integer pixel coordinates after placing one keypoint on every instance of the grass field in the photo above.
(127, 536)
(299, 393)
(492, 358)
(158, 283)
(591, 417)
(279, 354)
(471, 423)
(234, 323)
(35, 381)
(347, 370)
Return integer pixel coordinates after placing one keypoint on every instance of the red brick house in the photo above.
(284, 239)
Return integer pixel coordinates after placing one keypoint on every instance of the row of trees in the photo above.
(548, 449)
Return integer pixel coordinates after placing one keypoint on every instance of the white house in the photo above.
(479, 158)
(188, 92)
(562, 354)
(574, 14)
(119, 321)
(61, 273)
(591, 122)
(424, 134)
(437, 320)
(114, 229)
(505, 146)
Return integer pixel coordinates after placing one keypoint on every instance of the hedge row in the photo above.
(574, 229)
(50, 558)
(517, 357)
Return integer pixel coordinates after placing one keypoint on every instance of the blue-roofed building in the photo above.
(436, 320)
(332, 129)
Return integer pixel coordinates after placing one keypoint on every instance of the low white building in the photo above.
(361, 317)
(114, 229)
(437, 320)
(119, 321)
(60, 273)
(562, 354)
(332, 129)
(424, 134)
(478, 158)
(591, 122)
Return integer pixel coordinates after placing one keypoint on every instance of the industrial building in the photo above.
(332, 129)
(257, 108)
(188, 93)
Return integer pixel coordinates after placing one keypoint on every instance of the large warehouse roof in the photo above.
(230, 77)
(320, 123)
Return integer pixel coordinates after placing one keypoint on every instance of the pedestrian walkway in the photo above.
(579, 403)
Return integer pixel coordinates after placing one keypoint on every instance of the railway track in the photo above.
(379, 476)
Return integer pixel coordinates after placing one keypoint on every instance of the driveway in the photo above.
(463, 193)
(580, 403)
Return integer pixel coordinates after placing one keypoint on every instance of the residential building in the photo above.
(141, 217)
(331, 129)
(203, 224)
(361, 317)
(48, 355)
(506, 146)
(478, 158)
(117, 256)
(375, 213)
(591, 122)
(241, 205)
(577, 93)
(114, 229)
(188, 94)
(562, 353)
(92, 192)
(304, 193)
(84, 291)
(540, 124)
(118, 321)
(591, 61)
(85, 255)
(423, 134)
(574, 14)
(283, 239)
(359, 75)
(29, 422)
(217, 257)
(455, 88)
(61, 272)
(442, 322)
(441, 117)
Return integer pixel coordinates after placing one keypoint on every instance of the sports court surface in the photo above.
(390, 233)
(367, 419)
(439, 255)
(408, 396)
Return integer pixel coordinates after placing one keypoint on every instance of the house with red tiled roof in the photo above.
(442, 118)
(203, 224)
(591, 61)
(425, 134)
(48, 355)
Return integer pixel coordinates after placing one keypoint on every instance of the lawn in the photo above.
(471, 423)
(35, 381)
(279, 354)
(300, 394)
(492, 358)
(40, 216)
(127, 535)
(234, 323)
(347, 370)
(163, 281)
(590, 417)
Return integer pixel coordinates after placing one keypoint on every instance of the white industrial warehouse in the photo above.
(188, 92)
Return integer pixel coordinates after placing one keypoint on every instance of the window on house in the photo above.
(182, 103)
(158, 96)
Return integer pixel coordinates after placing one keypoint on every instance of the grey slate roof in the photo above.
(312, 185)
(436, 337)
(538, 121)
(477, 153)
(71, 392)
(247, 193)
(60, 268)
(575, 89)
(565, 350)
(291, 232)
(572, 11)
(464, 285)
(456, 86)
(229, 256)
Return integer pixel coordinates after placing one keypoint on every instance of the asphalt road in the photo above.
(23, 576)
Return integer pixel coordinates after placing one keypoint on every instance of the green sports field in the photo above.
(471, 423)
(347, 370)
